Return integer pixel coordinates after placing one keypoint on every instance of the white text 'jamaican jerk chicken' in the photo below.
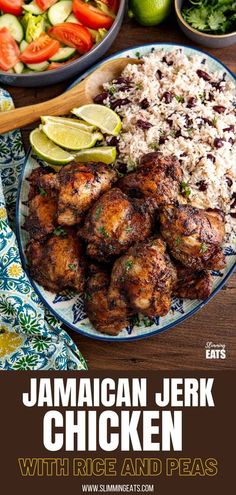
(143, 263)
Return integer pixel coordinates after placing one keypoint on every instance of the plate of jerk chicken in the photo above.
(119, 258)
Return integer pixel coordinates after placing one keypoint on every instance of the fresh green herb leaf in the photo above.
(60, 232)
(185, 189)
(180, 99)
(42, 192)
(178, 241)
(103, 231)
(98, 212)
(139, 86)
(112, 90)
(203, 248)
(214, 16)
(129, 265)
(154, 146)
(138, 55)
(72, 266)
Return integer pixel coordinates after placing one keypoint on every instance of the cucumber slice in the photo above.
(23, 45)
(19, 67)
(63, 54)
(11, 22)
(33, 8)
(73, 19)
(59, 12)
(38, 67)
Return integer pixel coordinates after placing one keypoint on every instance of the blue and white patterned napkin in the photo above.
(30, 337)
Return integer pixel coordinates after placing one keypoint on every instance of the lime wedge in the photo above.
(80, 124)
(100, 116)
(70, 138)
(104, 154)
(47, 150)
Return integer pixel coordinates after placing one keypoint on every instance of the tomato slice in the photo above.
(91, 16)
(11, 6)
(112, 4)
(9, 50)
(73, 35)
(40, 50)
(45, 4)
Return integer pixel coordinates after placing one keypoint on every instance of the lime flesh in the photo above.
(104, 154)
(150, 12)
(80, 124)
(45, 149)
(102, 117)
(70, 138)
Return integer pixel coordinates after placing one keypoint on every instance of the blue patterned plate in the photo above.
(69, 307)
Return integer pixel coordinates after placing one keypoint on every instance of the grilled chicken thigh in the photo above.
(57, 262)
(78, 186)
(157, 178)
(143, 278)
(41, 220)
(109, 320)
(192, 285)
(194, 236)
(114, 223)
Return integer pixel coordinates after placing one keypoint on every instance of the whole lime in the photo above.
(149, 12)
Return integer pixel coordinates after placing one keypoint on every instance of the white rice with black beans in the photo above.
(175, 104)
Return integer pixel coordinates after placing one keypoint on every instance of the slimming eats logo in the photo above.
(215, 351)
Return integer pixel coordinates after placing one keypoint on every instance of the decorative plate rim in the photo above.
(72, 326)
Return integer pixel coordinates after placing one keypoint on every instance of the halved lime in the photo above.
(45, 149)
(80, 124)
(70, 138)
(100, 116)
(104, 154)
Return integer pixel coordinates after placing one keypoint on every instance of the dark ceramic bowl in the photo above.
(69, 70)
(209, 40)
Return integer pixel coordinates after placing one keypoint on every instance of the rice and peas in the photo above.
(174, 104)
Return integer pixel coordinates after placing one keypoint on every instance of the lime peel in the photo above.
(45, 149)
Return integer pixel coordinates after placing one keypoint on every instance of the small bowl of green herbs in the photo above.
(211, 23)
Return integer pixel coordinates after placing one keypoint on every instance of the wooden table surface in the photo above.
(184, 346)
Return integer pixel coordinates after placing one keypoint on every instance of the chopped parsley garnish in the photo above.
(185, 189)
(112, 90)
(138, 55)
(59, 231)
(139, 86)
(129, 229)
(42, 192)
(180, 99)
(214, 121)
(154, 146)
(178, 241)
(103, 231)
(215, 16)
(128, 265)
(98, 212)
(72, 266)
(203, 248)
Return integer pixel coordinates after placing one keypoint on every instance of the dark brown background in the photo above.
(183, 346)
(207, 432)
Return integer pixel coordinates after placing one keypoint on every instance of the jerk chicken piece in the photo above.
(57, 263)
(144, 277)
(157, 177)
(41, 220)
(105, 319)
(192, 285)
(78, 186)
(114, 223)
(194, 236)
